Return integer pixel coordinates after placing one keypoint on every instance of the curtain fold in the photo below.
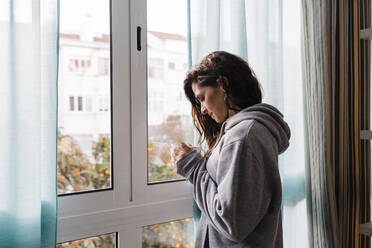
(337, 108)
(267, 35)
(315, 115)
(28, 93)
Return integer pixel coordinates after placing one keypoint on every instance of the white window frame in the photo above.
(132, 203)
(141, 190)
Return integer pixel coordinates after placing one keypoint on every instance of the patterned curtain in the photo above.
(337, 93)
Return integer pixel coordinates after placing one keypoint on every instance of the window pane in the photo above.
(172, 234)
(84, 122)
(103, 241)
(169, 113)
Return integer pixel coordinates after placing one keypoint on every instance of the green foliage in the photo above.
(102, 156)
(162, 173)
(74, 169)
(160, 167)
(79, 172)
(75, 172)
(167, 235)
(103, 241)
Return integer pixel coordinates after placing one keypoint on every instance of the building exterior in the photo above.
(84, 88)
(167, 66)
(84, 84)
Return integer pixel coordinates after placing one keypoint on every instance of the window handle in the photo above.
(139, 38)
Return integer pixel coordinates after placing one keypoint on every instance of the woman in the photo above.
(237, 184)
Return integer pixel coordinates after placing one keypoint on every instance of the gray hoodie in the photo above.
(238, 188)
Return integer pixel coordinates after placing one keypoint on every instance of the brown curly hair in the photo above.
(237, 79)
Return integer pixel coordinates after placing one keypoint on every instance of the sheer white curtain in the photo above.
(28, 123)
(267, 34)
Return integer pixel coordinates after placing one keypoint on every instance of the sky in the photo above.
(94, 15)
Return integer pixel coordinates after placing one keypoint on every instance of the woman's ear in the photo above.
(226, 81)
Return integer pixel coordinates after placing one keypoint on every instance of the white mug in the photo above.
(173, 146)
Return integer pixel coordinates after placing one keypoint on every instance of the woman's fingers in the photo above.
(181, 151)
(176, 151)
(186, 147)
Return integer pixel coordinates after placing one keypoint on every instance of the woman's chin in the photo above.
(217, 120)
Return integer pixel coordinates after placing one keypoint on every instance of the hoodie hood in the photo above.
(267, 115)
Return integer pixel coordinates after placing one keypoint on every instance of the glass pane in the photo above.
(169, 113)
(172, 234)
(103, 241)
(84, 118)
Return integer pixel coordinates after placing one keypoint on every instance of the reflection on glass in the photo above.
(103, 241)
(169, 112)
(172, 234)
(84, 119)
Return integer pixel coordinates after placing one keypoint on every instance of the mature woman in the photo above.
(237, 184)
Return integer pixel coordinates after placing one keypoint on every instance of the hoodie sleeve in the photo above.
(239, 198)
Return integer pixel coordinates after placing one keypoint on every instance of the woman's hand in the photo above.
(180, 152)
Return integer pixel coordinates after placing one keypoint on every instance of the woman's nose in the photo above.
(203, 109)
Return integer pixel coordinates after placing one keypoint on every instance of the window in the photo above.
(103, 133)
(171, 66)
(80, 103)
(72, 103)
(103, 66)
(79, 65)
(81, 169)
(103, 104)
(168, 118)
(114, 173)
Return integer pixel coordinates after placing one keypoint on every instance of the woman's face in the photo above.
(211, 100)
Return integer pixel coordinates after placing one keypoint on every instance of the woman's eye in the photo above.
(199, 100)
